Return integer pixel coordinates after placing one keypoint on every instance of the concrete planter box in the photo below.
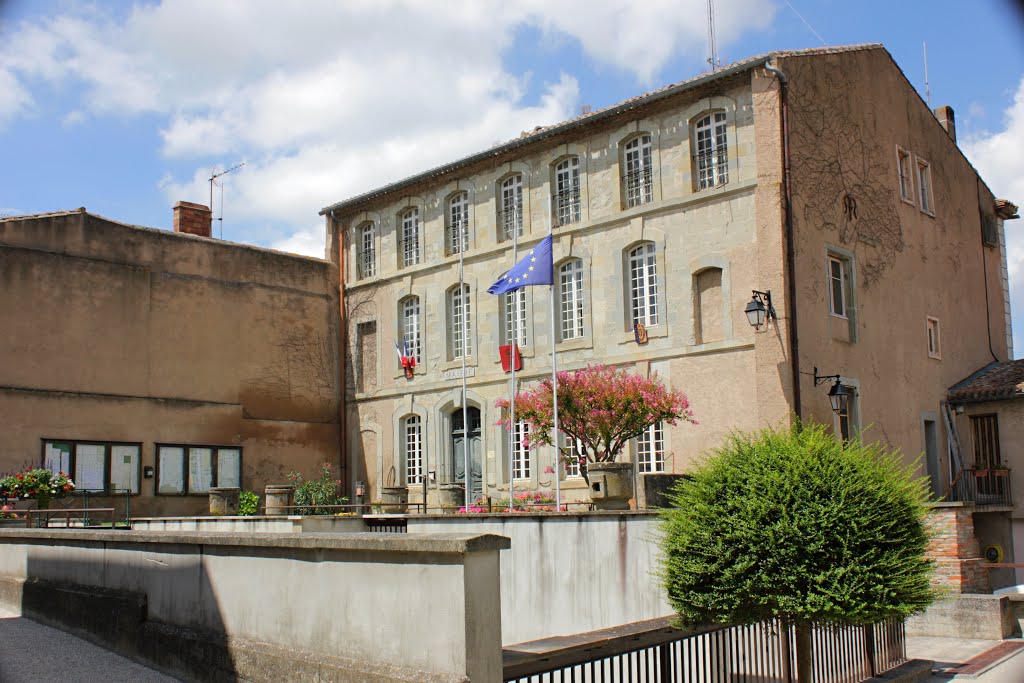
(394, 499)
(448, 497)
(279, 498)
(611, 485)
(224, 501)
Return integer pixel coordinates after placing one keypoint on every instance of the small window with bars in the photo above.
(567, 191)
(458, 223)
(510, 208)
(637, 178)
(712, 158)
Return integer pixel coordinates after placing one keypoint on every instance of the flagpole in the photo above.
(554, 367)
(465, 349)
(512, 354)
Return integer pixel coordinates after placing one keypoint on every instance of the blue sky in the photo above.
(125, 108)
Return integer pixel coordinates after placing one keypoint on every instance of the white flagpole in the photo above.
(512, 356)
(461, 227)
(554, 365)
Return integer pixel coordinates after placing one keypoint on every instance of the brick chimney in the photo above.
(946, 118)
(195, 219)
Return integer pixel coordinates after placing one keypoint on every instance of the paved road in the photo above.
(33, 653)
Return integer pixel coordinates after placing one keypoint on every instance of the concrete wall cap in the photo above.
(364, 541)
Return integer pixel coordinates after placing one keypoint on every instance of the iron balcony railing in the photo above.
(409, 251)
(510, 222)
(982, 486)
(455, 231)
(637, 187)
(712, 168)
(567, 206)
(366, 264)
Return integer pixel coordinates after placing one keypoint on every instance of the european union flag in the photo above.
(533, 269)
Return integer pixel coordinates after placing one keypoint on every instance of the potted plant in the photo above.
(1000, 470)
(40, 485)
(600, 410)
(8, 518)
(317, 496)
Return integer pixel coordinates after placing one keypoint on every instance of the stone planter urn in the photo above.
(394, 499)
(448, 497)
(279, 498)
(611, 485)
(224, 501)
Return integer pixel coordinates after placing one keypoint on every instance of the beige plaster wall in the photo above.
(114, 332)
(848, 114)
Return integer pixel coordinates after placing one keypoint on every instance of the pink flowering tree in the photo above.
(600, 408)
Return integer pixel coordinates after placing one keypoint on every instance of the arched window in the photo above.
(643, 285)
(707, 318)
(567, 191)
(412, 449)
(460, 329)
(510, 208)
(637, 178)
(513, 313)
(570, 293)
(410, 321)
(410, 247)
(458, 223)
(650, 449)
(712, 144)
(366, 250)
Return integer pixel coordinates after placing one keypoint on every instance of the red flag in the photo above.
(506, 357)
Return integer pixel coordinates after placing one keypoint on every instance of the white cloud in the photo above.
(308, 241)
(997, 156)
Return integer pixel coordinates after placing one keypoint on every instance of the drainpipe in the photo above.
(787, 185)
(339, 247)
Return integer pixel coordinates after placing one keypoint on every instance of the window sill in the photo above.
(934, 356)
(457, 363)
(909, 200)
(574, 344)
(926, 212)
(655, 332)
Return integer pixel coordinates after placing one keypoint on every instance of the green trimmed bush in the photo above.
(248, 503)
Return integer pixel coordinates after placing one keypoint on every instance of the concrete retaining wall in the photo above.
(985, 617)
(252, 525)
(345, 607)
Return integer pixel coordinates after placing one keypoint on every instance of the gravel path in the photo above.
(33, 653)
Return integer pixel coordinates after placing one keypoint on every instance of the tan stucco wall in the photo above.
(729, 381)
(117, 333)
(848, 113)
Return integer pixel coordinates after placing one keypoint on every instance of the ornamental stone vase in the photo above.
(448, 497)
(394, 499)
(279, 498)
(611, 485)
(224, 501)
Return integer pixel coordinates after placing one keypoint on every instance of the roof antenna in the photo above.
(213, 178)
(927, 87)
(712, 43)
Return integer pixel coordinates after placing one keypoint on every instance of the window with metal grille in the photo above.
(458, 223)
(570, 291)
(411, 328)
(513, 307)
(837, 286)
(906, 178)
(637, 181)
(366, 257)
(460, 335)
(712, 158)
(567, 191)
(411, 237)
(985, 430)
(643, 285)
(520, 452)
(412, 426)
(650, 449)
(510, 208)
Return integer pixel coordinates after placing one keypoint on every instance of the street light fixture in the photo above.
(838, 395)
(759, 308)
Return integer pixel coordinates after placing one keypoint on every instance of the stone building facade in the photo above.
(819, 176)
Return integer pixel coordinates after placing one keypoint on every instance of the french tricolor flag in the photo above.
(408, 362)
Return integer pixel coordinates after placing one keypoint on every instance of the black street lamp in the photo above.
(838, 395)
(760, 307)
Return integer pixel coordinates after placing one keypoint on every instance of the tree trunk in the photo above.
(804, 652)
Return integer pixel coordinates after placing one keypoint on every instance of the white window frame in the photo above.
(521, 465)
(643, 285)
(934, 337)
(458, 346)
(570, 297)
(905, 175)
(567, 191)
(411, 329)
(366, 252)
(412, 449)
(926, 198)
(510, 207)
(513, 306)
(638, 171)
(571, 469)
(458, 219)
(711, 140)
(836, 260)
(650, 449)
(70, 462)
(410, 219)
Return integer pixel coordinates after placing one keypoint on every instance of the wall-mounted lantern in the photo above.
(838, 395)
(759, 308)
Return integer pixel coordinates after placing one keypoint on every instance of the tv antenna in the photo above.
(213, 177)
(713, 60)
(927, 85)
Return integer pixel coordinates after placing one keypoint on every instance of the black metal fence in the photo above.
(982, 487)
(657, 653)
(84, 508)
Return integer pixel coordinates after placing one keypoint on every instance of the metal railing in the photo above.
(654, 652)
(510, 222)
(458, 237)
(71, 518)
(366, 264)
(637, 188)
(567, 206)
(982, 487)
(712, 168)
(112, 507)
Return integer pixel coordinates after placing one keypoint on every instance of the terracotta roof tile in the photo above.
(995, 381)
